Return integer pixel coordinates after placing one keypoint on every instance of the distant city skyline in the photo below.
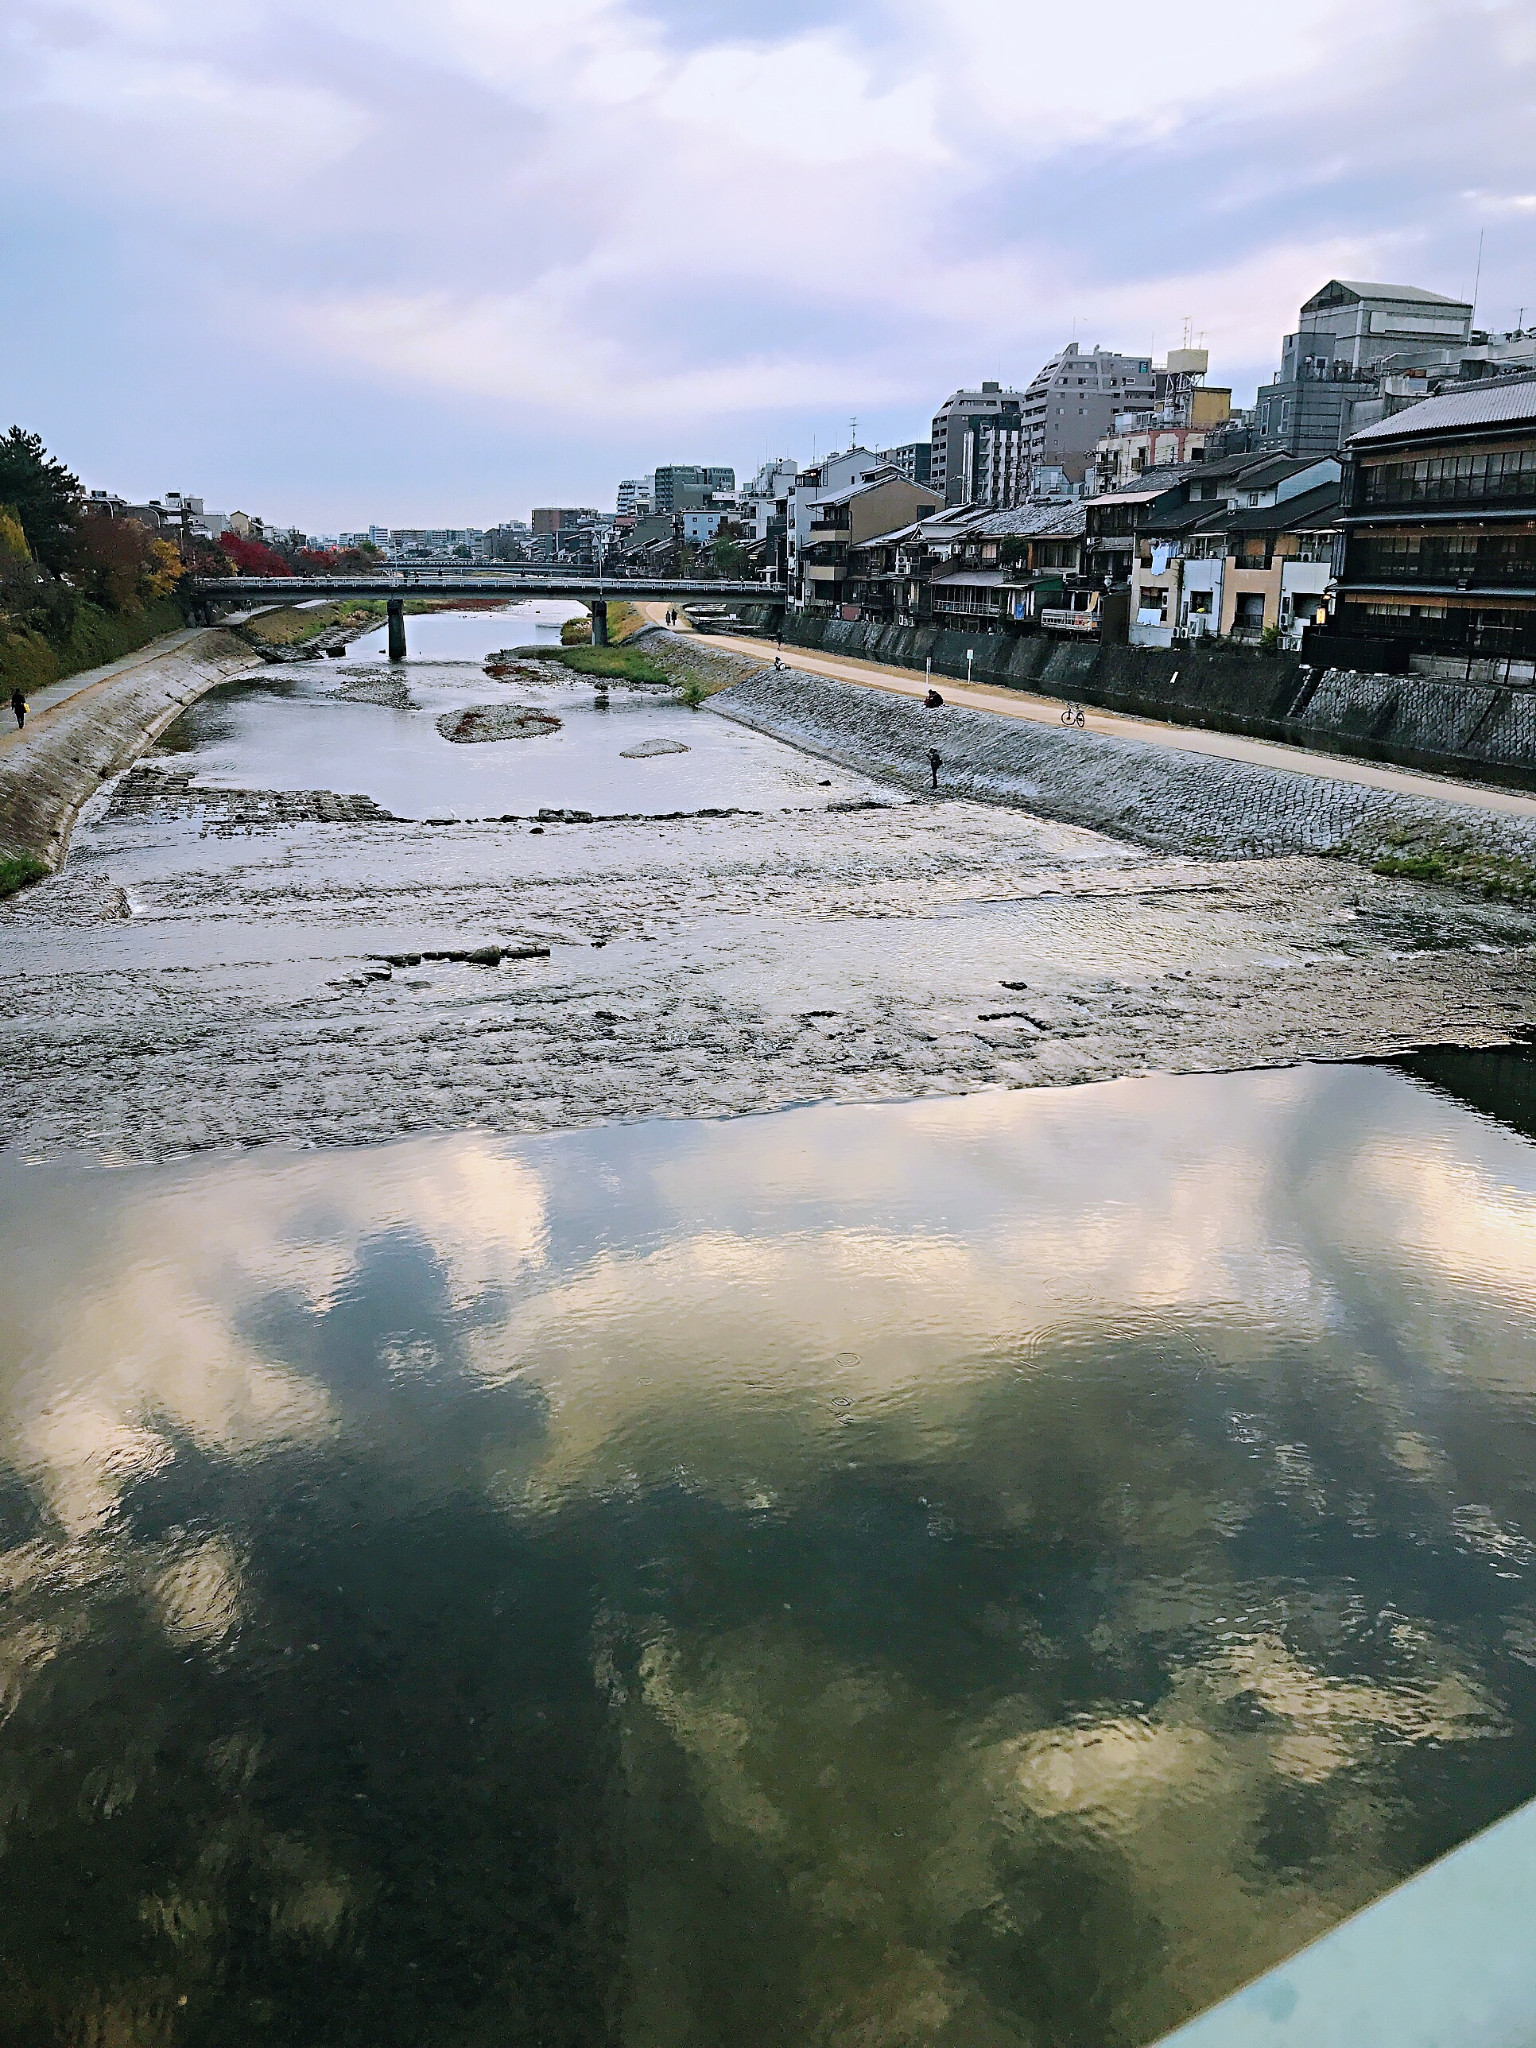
(438, 264)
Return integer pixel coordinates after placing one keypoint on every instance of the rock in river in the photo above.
(497, 722)
(649, 749)
(386, 690)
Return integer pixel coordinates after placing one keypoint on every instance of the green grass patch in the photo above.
(16, 870)
(95, 638)
(1414, 859)
(576, 632)
(624, 619)
(296, 624)
(1507, 880)
(623, 664)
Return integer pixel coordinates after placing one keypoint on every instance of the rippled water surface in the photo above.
(984, 1572)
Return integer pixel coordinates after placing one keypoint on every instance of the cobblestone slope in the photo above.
(79, 744)
(1156, 796)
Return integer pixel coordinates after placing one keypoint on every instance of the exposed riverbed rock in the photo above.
(714, 964)
(389, 691)
(497, 722)
(649, 749)
(508, 662)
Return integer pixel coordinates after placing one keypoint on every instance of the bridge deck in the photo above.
(518, 583)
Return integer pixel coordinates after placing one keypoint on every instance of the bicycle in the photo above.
(1073, 715)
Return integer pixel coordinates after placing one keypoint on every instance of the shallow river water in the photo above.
(994, 1571)
(295, 728)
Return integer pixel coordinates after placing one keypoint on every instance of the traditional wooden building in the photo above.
(1437, 549)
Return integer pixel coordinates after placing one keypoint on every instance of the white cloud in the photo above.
(519, 351)
(590, 212)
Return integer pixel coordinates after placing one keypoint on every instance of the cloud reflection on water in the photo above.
(1075, 1532)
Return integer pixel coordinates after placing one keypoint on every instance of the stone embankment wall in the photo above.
(1481, 730)
(69, 750)
(1154, 795)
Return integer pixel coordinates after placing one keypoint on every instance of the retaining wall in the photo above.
(70, 749)
(1479, 730)
(1156, 796)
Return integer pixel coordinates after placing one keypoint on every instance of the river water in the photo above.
(992, 1571)
(297, 728)
(989, 1571)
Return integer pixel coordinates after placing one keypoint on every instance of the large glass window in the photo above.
(1450, 558)
(1453, 479)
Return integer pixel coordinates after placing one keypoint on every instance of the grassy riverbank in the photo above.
(95, 638)
(296, 625)
(16, 870)
(622, 664)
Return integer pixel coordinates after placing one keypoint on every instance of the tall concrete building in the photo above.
(561, 518)
(673, 479)
(952, 429)
(1072, 400)
(1349, 338)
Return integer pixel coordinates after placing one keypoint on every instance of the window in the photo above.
(1437, 479)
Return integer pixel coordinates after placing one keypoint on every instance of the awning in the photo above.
(970, 579)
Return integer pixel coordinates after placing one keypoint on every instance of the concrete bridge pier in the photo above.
(395, 607)
(598, 607)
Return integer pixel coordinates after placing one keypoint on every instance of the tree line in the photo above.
(60, 561)
(80, 585)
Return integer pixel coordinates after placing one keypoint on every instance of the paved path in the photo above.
(1182, 739)
(43, 704)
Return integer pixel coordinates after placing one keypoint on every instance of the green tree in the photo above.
(44, 494)
(730, 557)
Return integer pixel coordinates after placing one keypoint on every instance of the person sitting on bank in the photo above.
(19, 706)
(933, 700)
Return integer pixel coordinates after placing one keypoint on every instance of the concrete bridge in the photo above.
(217, 592)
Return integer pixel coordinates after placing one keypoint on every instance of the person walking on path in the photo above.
(935, 764)
(19, 706)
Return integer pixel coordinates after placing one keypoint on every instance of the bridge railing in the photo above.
(402, 583)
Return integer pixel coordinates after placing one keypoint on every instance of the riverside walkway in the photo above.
(43, 704)
(1183, 739)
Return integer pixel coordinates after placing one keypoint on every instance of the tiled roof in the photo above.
(1274, 469)
(1053, 521)
(967, 579)
(1309, 508)
(1496, 402)
(869, 483)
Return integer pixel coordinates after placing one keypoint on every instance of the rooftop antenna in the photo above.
(853, 433)
(1478, 278)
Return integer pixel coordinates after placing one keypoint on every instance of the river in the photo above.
(995, 1569)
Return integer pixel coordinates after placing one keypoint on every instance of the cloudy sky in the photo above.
(440, 260)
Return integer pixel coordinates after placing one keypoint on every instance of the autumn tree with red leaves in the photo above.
(253, 557)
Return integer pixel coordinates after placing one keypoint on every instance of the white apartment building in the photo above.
(766, 497)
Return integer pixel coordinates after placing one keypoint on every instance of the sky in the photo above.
(420, 262)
